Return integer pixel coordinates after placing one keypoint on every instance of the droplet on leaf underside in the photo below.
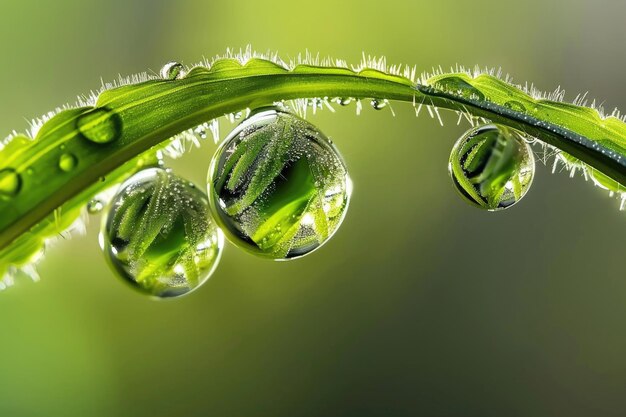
(277, 185)
(379, 104)
(158, 234)
(95, 206)
(492, 167)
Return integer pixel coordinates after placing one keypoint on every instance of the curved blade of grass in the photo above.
(130, 120)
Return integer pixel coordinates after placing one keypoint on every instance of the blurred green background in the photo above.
(420, 305)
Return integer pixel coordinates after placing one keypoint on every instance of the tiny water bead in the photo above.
(277, 185)
(158, 234)
(379, 104)
(172, 70)
(67, 162)
(492, 166)
(10, 183)
(95, 206)
(100, 125)
(345, 101)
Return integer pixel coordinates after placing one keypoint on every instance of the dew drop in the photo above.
(100, 125)
(345, 101)
(95, 206)
(277, 186)
(515, 106)
(492, 167)
(316, 103)
(379, 104)
(10, 183)
(200, 132)
(67, 162)
(158, 234)
(172, 71)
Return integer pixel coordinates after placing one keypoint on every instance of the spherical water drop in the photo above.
(67, 162)
(100, 125)
(10, 183)
(277, 186)
(492, 166)
(379, 104)
(95, 206)
(172, 71)
(158, 234)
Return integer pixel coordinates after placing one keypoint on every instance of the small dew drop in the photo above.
(67, 162)
(95, 206)
(10, 183)
(100, 125)
(200, 132)
(379, 104)
(172, 71)
(345, 101)
(316, 103)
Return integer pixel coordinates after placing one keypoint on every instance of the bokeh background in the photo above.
(420, 305)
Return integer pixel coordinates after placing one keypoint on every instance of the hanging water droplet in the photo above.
(67, 162)
(200, 132)
(345, 101)
(238, 115)
(315, 103)
(515, 105)
(10, 183)
(379, 104)
(457, 86)
(158, 234)
(100, 125)
(277, 185)
(172, 71)
(95, 206)
(492, 166)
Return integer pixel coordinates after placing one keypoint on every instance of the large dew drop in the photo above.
(277, 186)
(492, 167)
(159, 236)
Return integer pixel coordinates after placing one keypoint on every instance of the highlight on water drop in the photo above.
(492, 167)
(158, 234)
(277, 185)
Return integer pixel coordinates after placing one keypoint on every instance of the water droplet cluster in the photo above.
(158, 234)
(492, 167)
(277, 185)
